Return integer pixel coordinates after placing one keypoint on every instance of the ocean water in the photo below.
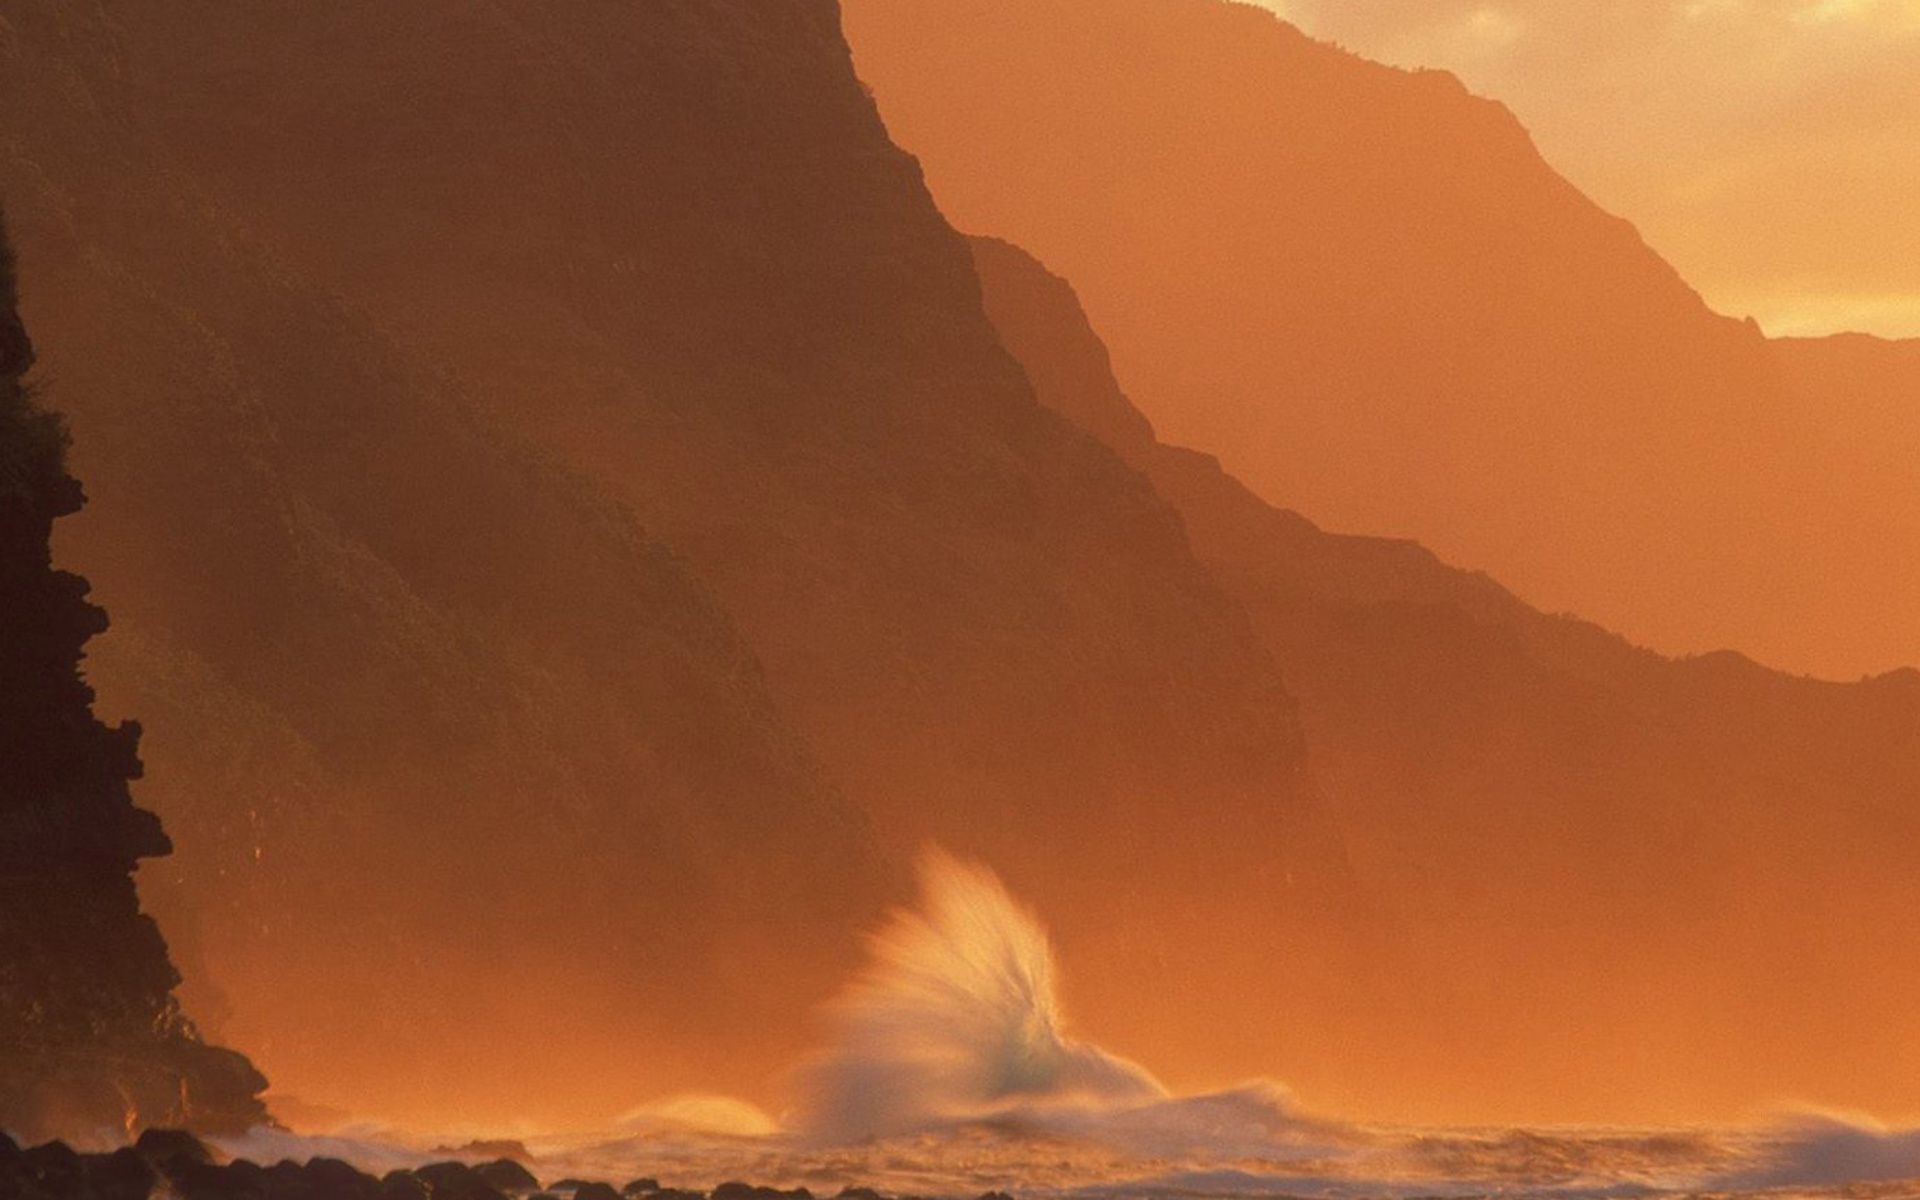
(948, 1074)
(1209, 1147)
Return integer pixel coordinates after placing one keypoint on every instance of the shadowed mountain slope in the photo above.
(670, 248)
(1366, 292)
(1624, 883)
(447, 743)
(91, 1036)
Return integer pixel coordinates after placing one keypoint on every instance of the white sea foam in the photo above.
(373, 1149)
(955, 1019)
(1814, 1149)
(950, 1071)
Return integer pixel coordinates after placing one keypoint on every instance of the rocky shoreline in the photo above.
(167, 1164)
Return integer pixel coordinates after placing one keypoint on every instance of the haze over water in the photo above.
(952, 1072)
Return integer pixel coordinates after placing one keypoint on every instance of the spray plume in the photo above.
(955, 1019)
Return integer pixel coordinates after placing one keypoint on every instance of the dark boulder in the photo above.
(506, 1175)
(243, 1175)
(288, 1180)
(332, 1179)
(747, 1191)
(55, 1166)
(404, 1185)
(212, 1181)
(123, 1175)
(164, 1147)
(456, 1181)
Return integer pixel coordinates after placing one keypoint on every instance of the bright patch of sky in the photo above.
(1769, 148)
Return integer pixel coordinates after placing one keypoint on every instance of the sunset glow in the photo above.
(1769, 148)
(959, 599)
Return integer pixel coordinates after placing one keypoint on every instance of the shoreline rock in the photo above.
(174, 1163)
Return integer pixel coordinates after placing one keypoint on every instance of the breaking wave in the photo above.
(955, 1019)
(949, 1072)
(1814, 1149)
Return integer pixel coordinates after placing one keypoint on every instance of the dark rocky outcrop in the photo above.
(91, 1036)
(1684, 854)
(457, 1181)
(54, 1171)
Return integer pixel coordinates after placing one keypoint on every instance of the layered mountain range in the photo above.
(578, 517)
(392, 334)
(1686, 861)
(1365, 290)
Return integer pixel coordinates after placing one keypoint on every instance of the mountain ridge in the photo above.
(669, 252)
(1366, 290)
(1531, 798)
(356, 666)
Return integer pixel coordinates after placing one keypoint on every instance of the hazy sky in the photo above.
(1769, 148)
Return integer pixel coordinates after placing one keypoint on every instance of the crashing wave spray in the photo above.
(955, 1019)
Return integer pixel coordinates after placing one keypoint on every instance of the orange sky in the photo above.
(1770, 149)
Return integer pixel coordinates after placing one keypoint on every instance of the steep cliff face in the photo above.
(1367, 293)
(1682, 859)
(448, 745)
(670, 247)
(91, 1036)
